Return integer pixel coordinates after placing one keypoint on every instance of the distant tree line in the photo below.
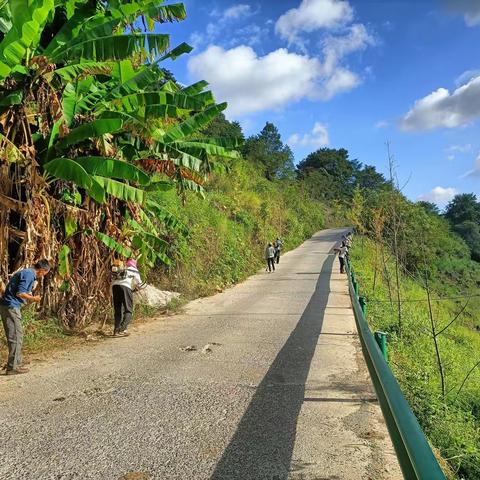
(330, 175)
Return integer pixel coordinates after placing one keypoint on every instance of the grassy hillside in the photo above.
(451, 420)
(229, 229)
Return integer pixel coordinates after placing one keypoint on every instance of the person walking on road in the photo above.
(342, 255)
(124, 282)
(277, 244)
(270, 257)
(17, 293)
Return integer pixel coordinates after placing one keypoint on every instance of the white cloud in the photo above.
(341, 80)
(439, 195)
(382, 124)
(317, 138)
(444, 109)
(475, 172)
(335, 48)
(312, 15)
(465, 77)
(223, 19)
(237, 11)
(470, 9)
(251, 34)
(453, 150)
(251, 83)
(466, 148)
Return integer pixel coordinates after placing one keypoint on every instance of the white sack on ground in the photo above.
(153, 297)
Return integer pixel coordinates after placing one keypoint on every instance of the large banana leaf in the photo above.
(28, 19)
(5, 17)
(96, 191)
(123, 71)
(200, 150)
(70, 73)
(149, 244)
(113, 47)
(112, 244)
(111, 168)
(69, 170)
(64, 262)
(90, 130)
(121, 190)
(183, 159)
(143, 78)
(193, 124)
(206, 98)
(195, 88)
(150, 8)
(83, 19)
(177, 52)
(151, 99)
(165, 217)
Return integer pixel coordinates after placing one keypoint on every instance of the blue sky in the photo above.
(352, 74)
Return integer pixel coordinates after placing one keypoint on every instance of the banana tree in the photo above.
(90, 127)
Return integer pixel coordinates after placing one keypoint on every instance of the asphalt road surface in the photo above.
(283, 394)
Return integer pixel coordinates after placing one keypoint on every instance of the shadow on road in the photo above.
(262, 446)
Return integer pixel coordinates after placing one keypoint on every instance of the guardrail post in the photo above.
(355, 286)
(381, 339)
(363, 305)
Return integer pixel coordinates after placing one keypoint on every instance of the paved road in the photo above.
(284, 394)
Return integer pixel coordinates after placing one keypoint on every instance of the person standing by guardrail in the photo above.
(342, 255)
(277, 244)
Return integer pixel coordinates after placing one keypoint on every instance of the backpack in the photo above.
(119, 273)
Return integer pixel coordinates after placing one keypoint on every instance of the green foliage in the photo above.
(268, 151)
(451, 423)
(463, 208)
(463, 213)
(470, 232)
(429, 207)
(330, 174)
(227, 231)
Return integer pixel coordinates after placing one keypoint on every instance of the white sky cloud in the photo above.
(251, 83)
(439, 195)
(453, 150)
(312, 15)
(249, 34)
(470, 9)
(475, 172)
(444, 109)
(340, 80)
(466, 148)
(465, 77)
(317, 138)
(237, 11)
(382, 124)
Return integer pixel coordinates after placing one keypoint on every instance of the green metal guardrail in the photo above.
(414, 454)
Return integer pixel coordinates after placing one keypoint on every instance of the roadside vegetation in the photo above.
(421, 286)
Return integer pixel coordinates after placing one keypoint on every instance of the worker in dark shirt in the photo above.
(17, 293)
